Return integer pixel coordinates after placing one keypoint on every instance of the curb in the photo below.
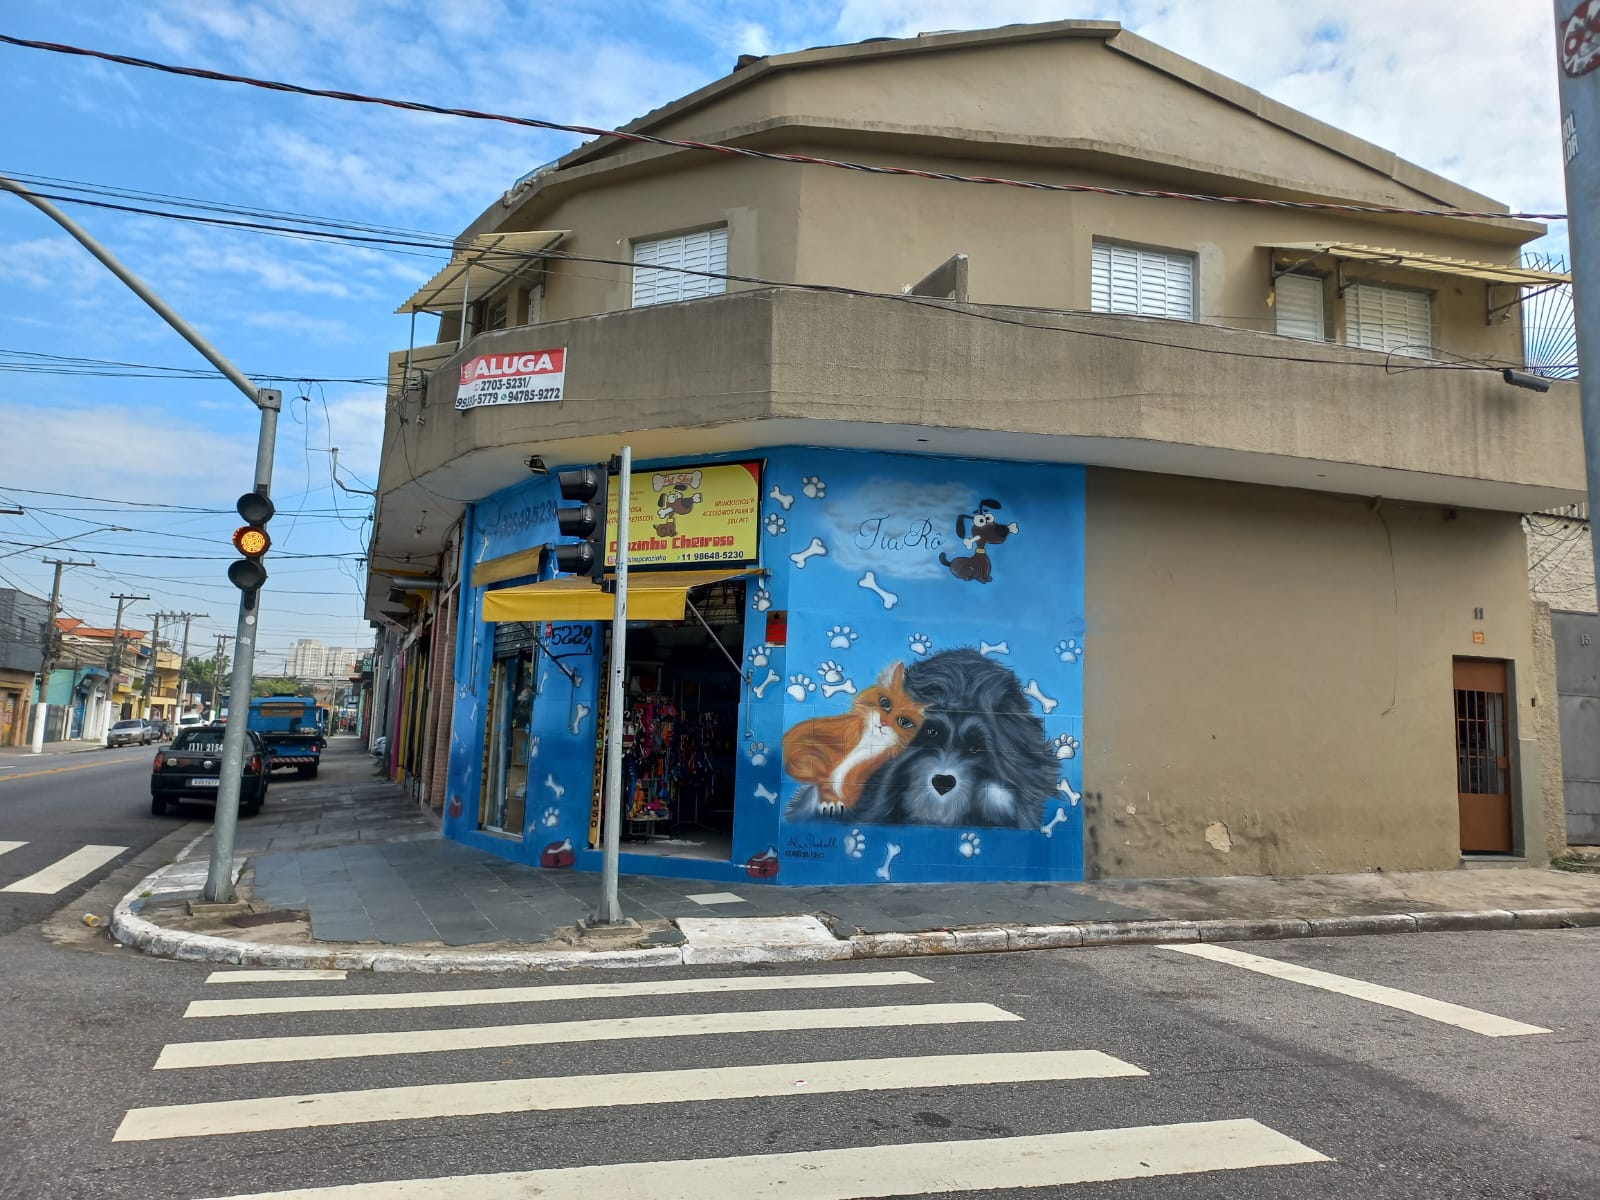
(128, 927)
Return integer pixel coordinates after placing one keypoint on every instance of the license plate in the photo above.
(205, 782)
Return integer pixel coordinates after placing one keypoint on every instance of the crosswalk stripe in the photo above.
(237, 1051)
(65, 871)
(296, 975)
(1422, 1006)
(696, 1085)
(988, 1164)
(266, 1005)
(7, 847)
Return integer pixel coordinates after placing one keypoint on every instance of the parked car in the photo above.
(190, 720)
(191, 769)
(127, 733)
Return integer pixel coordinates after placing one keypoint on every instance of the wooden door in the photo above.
(1483, 760)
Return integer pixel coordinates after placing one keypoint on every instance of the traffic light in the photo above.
(251, 540)
(588, 486)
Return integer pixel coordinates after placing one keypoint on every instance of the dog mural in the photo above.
(978, 757)
(986, 531)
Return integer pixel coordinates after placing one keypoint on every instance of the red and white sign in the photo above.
(537, 376)
(1580, 40)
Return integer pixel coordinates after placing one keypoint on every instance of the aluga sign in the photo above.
(533, 377)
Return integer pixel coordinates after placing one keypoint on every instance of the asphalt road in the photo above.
(58, 805)
(1355, 1099)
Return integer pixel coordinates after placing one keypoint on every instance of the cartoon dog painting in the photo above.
(979, 756)
(986, 531)
(674, 501)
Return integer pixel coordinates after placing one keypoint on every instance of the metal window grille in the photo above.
(1150, 283)
(1481, 743)
(703, 251)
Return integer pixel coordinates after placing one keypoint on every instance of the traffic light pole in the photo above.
(219, 882)
(219, 872)
(610, 905)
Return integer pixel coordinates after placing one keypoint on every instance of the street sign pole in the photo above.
(610, 904)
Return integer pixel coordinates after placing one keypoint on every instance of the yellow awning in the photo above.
(652, 596)
(493, 257)
(1437, 264)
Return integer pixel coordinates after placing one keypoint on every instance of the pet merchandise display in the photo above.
(669, 771)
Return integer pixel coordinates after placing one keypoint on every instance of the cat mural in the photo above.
(833, 757)
(951, 740)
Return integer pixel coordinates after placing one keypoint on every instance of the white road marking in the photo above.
(299, 975)
(696, 1085)
(716, 898)
(234, 1051)
(7, 847)
(460, 997)
(1050, 1160)
(1422, 1006)
(66, 871)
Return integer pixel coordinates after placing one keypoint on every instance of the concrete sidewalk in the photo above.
(70, 747)
(345, 870)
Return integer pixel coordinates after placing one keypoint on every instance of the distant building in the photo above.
(307, 659)
(22, 636)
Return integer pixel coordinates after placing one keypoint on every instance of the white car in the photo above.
(191, 721)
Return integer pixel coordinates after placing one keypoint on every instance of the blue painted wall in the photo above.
(889, 578)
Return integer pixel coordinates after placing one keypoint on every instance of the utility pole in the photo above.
(216, 675)
(183, 656)
(155, 655)
(268, 402)
(1578, 54)
(42, 710)
(114, 659)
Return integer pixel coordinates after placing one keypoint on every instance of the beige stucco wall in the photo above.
(1545, 725)
(1268, 676)
(1561, 562)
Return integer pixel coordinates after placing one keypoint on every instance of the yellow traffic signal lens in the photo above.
(251, 541)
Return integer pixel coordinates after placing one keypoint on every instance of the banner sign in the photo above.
(536, 376)
(693, 516)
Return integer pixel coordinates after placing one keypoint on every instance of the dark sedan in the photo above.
(191, 769)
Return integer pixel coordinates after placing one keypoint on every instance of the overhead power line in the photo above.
(746, 152)
(33, 362)
(946, 306)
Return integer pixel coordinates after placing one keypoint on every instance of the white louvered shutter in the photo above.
(1147, 282)
(1299, 307)
(1384, 318)
(703, 251)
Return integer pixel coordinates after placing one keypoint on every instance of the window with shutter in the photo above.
(1151, 283)
(703, 251)
(1389, 319)
(1299, 307)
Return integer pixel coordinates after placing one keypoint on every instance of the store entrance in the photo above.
(680, 728)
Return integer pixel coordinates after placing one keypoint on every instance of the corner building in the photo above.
(1085, 535)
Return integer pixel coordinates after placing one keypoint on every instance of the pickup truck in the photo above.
(290, 731)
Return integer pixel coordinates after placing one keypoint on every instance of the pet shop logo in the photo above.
(884, 532)
(684, 480)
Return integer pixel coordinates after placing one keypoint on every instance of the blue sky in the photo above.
(1463, 87)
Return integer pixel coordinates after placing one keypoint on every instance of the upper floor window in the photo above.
(1150, 283)
(496, 317)
(1386, 318)
(703, 251)
(1299, 307)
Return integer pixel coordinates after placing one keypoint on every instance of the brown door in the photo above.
(1483, 763)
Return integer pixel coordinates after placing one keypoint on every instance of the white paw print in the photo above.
(1069, 650)
(758, 754)
(855, 843)
(799, 687)
(813, 487)
(763, 600)
(776, 524)
(832, 673)
(920, 643)
(841, 637)
(1066, 746)
(969, 845)
(533, 746)
(552, 817)
(760, 655)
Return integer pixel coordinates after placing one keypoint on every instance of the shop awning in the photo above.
(652, 596)
(499, 256)
(1414, 260)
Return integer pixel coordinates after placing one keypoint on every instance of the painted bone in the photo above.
(1045, 702)
(870, 582)
(800, 557)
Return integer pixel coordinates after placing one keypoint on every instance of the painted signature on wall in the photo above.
(888, 532)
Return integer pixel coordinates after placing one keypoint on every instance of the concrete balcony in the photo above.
(767, 367)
